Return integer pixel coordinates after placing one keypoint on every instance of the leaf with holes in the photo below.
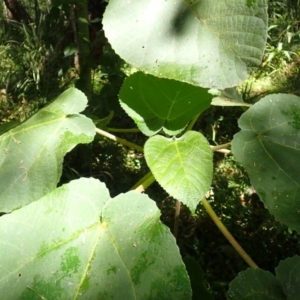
(205, 43)
(268, 146)
(182, 166)
(78, 243)
(32, 153)
(157, 103)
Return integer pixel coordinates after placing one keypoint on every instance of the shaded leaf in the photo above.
(288, 273)
(182, 166)
(255, 285)
(156, 103)
(76, 242)
(229, 97)
(32, 153)
(268, 146)
(197, 279)
(205, 43)
(7, 126)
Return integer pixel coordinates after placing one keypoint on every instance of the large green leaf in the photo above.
(32, 153)
(182, 166)
(205, 43)
(156, 103)
(268, 146)
(77, 243)
(259, 284)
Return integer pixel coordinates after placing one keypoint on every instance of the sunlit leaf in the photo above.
(205, 43)
(32, 153)
(77, 243)
(183, 166)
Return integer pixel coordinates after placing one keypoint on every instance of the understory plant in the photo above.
(76, 241)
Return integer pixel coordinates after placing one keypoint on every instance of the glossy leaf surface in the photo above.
(157, 103)
(268, 146)
(183, 166)
(205, 43)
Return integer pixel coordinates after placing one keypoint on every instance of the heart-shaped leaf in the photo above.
(77, 243)
(268, 146)
(182, 166)
(157, 103)
(32, 153)
(205, 43)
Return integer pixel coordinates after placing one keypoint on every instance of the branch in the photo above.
(119, 140)
(123, 130)
(144, 183)
(219, 147)
(228, 235)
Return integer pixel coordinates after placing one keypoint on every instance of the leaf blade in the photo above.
(33, 152)
(268, 146)
(183, 167)
(200, 42)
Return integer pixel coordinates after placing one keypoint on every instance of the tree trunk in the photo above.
(17, 12)
(85, 81)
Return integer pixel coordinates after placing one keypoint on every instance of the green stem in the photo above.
(223, 146)
(228, 235)
(123, 130)
(144, 183)
(192, 123)
(119, 140)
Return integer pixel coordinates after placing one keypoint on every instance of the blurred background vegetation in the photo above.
(45, 47)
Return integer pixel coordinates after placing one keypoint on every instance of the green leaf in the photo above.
(70, 49)
(287, 273)
(182, 166)
(259, 284)
(255, 285)
(205, 43)
(76, 242)
(7, 126)
(32, 153)
(268, 146)
(157, 103)
(196, 275)
(229, 97)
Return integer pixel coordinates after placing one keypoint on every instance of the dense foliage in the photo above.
(187, 80)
